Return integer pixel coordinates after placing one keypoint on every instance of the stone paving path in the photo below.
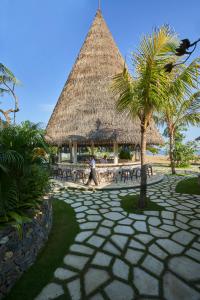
(124, 256)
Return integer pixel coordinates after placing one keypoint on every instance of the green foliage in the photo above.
(6, 77)
(124, 154)
(23, 173)
(144, 93)
(7, 86)
(188, 186)
(182, 107)
(153, 150)
(179, 133)
(52, 151)
(130, 204)
(184, 153)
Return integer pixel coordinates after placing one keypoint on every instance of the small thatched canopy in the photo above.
(198, 139)
(85, 111)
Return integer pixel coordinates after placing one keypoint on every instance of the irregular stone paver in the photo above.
(133, 256)
(94, 278)
(111, 248)
(140, 226)
(153, 265)
(144, 238)
(74, 288)
(120, 269)
(119, 291)
(89, 225)
(158, 232)
(96, 241)
(195, 223)
(64, 274)
(75, 261)
(119, 255)
(127, 230)
(185, 267)
(194, 254)
(104, 231)
(136, 244)
(167, 215)
(157, 251)
(81, 237)
(175, 289)
(81, 249)
(119, 240)
(196, 246)
(114, 216)
(51, 291)
(154, 221)
(183, 237)
(170, 246)
(137, 217)
(102, 259)
(145, 283)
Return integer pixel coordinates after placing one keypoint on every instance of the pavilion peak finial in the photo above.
(99, 4)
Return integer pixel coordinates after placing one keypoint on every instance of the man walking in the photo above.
(92, 175)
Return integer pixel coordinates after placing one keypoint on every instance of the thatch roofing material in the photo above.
(85, 110)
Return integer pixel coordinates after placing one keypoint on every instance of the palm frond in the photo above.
(124, 86)
(189, 112)
(186, 79)
(10, 159)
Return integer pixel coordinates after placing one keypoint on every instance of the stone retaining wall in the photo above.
(17, 255)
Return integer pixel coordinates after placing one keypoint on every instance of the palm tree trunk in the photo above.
(143, 182)
(171, 151)
(143, 144)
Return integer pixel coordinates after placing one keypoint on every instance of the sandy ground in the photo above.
(161, 159)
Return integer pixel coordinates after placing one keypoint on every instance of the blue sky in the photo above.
(41, 40)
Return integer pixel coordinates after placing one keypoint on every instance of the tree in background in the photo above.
(183, 153)
(7, 86)
(183, 105)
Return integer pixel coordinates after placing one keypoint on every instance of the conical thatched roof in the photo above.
(85, 111)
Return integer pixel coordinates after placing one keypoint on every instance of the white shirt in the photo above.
(92, 164)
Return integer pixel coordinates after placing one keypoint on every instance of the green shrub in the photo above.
(23, 175)
(184, 154)
(124, 154)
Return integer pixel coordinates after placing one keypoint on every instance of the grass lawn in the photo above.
(62, 235)
(188, 186)
(129, 203)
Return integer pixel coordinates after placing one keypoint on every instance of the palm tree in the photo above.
(184, 111)
(145, 92)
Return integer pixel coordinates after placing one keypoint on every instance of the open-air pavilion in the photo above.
(85, 114)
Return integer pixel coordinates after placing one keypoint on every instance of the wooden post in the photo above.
(60, 154)
(115, 150)
(74, 152)
(70, 152)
